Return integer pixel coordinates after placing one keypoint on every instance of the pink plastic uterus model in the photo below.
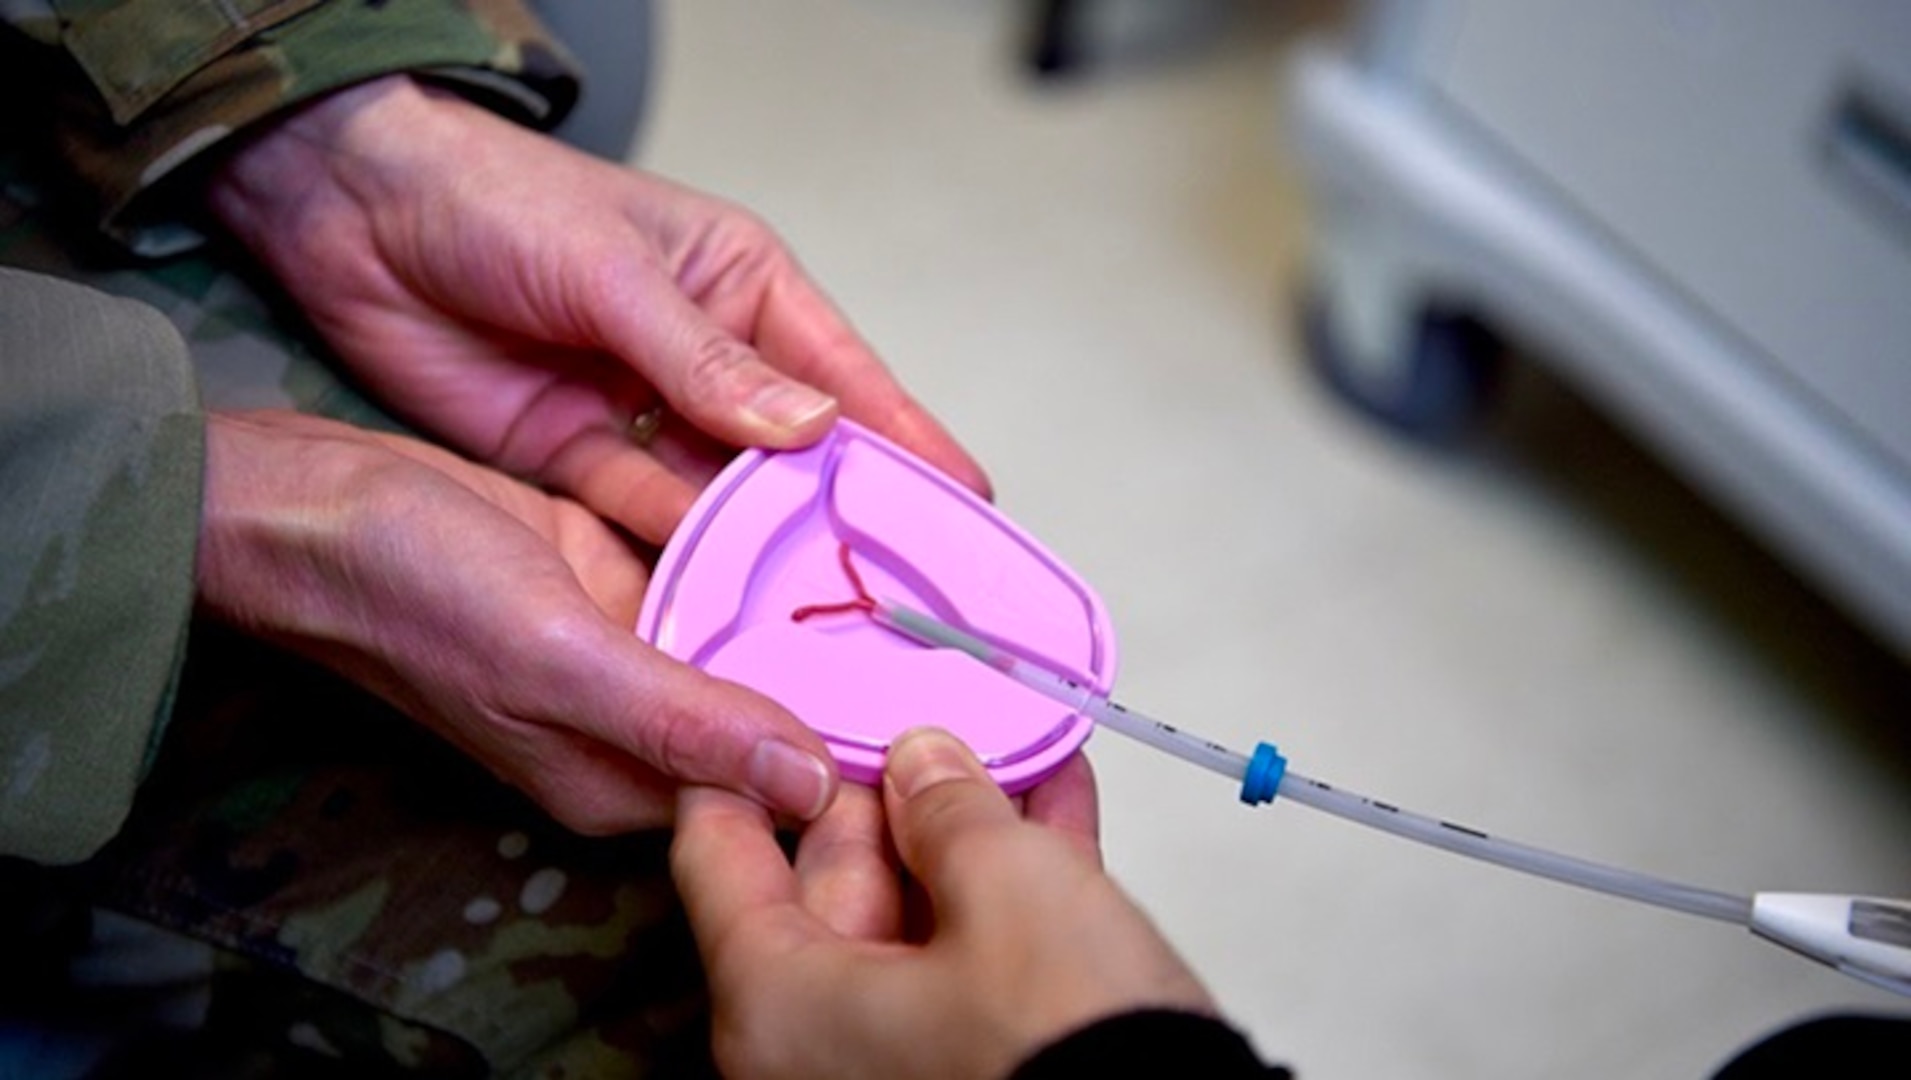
(767, 580)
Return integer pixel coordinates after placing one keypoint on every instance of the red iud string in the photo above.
(864, 602)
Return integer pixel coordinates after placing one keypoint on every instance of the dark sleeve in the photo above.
(1152, 1042)
(1840, 1046)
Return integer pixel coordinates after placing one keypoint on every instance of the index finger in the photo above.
(726, 861)
(844, 871)
(800, 332)
(1067, 802)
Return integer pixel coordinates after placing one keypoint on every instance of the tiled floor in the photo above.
(1545, 635)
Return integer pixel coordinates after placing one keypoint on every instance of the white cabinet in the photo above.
(1699, 212)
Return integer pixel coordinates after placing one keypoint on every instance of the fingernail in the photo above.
(791, 780)
(924, 757)
(789, 405)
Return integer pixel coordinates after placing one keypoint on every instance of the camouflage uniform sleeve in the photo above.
(142, 90)
(102, 454)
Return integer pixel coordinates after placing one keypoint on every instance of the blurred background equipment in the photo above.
(1698, 213)
(614, 44)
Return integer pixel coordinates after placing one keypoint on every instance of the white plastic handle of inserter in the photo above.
(1867, 938)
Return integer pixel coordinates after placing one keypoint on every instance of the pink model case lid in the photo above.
(771, 536)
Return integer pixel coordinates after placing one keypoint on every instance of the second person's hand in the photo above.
(812, 974)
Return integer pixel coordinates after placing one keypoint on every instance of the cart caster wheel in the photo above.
(1436, 393)
(1052, 50)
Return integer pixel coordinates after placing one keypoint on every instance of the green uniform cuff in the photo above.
(165, 96)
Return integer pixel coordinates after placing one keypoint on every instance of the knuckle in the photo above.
(714, 363)
(745, 249)
(944, 821)
(745, 230)
(671, 742)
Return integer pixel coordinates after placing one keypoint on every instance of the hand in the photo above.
(493, 613)
(809, 973)
(524, 301)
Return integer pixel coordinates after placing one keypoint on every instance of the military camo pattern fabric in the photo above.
(308, 884)
(312, 885)
(376, 899)
(248, 349)
(144, 90)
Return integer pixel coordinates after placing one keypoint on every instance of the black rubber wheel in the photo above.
(1052, 51)
(1443, 388)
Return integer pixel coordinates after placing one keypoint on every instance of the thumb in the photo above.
(940, 800)
(697, 728)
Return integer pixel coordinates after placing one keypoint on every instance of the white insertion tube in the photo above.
(1465, 841)
(1864, 937)
(1386, 817)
